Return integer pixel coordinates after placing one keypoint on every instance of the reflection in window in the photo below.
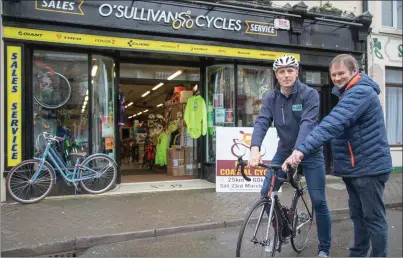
(103, 95)
(220, 103)
(387, 13)
(394, 106)
(60, 87)
(253, 85)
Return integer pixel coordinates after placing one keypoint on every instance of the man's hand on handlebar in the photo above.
(255, 157)
(293, 160)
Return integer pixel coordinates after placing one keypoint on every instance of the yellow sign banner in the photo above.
(14, 103)
(139, 44)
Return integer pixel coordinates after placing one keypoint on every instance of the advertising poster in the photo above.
(235, 141)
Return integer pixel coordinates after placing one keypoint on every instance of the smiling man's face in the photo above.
(340, 74)
(287, 76)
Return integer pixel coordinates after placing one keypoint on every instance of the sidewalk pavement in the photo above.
(66, 224)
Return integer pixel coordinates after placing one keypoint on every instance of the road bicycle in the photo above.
(32, 180)
(294, 223)
(52, 90)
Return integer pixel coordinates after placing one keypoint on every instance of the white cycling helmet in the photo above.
(285, 61)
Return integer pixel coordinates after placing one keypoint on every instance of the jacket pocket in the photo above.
(350, 149)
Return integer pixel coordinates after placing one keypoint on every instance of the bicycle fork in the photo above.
(268, 247)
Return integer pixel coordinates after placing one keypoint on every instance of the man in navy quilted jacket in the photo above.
(361, 153)
(293, 107)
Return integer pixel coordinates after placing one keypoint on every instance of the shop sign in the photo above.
(70, 7)
(139, 44)
(109, 143)
(260, 28)
(282, 24)
(14, 103)
(233, 142)
(151, 16)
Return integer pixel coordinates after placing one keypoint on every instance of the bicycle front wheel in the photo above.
(98, 173)
(302, 220)
(252, 240)
(23, 188)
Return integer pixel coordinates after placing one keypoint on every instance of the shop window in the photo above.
(392, 14)
(394, 106)
(60, 87)
(253, 85)
(102, 110)
(220, 103)
(315, 78)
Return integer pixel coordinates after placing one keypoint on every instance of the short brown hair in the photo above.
(348, 60)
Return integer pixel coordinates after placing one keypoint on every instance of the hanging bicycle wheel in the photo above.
(22, 188)
(51, 91)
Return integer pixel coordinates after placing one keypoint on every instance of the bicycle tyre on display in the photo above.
(87, 161)
(68, 95)
(295, 218)
(266, 203)
(11, 190)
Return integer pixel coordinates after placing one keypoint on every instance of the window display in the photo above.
(103, 95)
(220, 103)
(253, 85)
(60, 89)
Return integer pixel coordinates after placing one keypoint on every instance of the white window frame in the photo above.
(394, 15)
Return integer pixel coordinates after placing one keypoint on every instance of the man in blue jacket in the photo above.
(361, 153)
(294, 108)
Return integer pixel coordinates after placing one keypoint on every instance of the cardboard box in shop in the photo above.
(176, 162)
(191, 169)
(189, 155)
(186, 140)
(176, 111)
(185, 95)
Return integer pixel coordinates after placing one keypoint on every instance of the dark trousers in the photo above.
(367, 211)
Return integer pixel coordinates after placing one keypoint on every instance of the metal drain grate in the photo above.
(64, 254)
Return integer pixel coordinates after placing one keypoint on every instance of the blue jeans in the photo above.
(315, 175)
(367, 211)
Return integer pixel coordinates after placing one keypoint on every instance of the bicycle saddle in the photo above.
(78, 154)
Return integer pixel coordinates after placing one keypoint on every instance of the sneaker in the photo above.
(322, 254)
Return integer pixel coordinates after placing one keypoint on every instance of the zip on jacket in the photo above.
(350, 149)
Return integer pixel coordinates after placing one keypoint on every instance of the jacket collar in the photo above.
(353, 81)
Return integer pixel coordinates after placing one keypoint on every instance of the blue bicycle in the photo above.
(32, 180)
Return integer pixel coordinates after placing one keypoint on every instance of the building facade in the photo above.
(385, 51)
(231, 46)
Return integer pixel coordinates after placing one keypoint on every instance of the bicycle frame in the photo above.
(59, 165)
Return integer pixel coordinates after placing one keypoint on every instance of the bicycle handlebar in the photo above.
(50, 137)
(290, 172)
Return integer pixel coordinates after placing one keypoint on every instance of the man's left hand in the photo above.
(294, 160)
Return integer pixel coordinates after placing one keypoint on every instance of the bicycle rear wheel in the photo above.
(251, 239)
(302, 220)
(22, 188)
(98, 173)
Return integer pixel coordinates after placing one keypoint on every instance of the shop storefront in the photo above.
(71, 65)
